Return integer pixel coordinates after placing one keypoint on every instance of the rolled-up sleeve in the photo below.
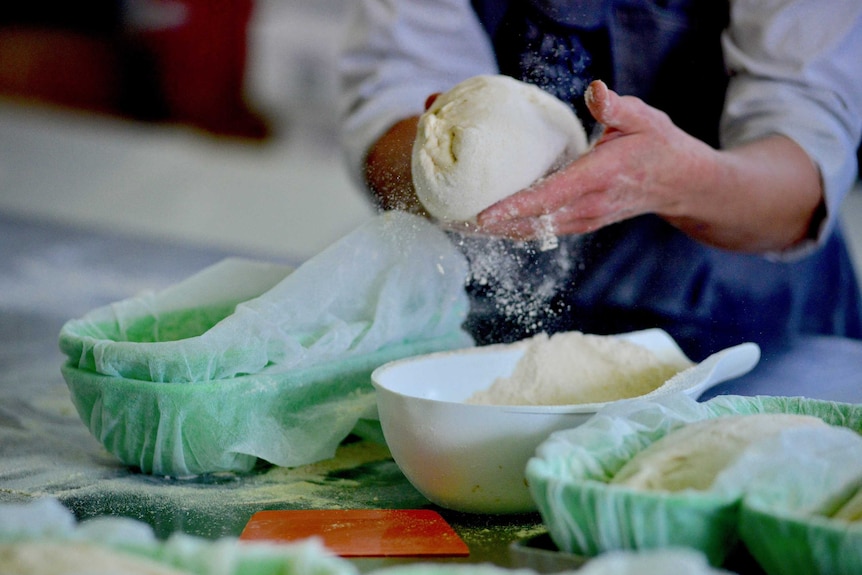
(395, 53)
(796, 70)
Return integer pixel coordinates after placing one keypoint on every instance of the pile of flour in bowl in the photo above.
(574, 368)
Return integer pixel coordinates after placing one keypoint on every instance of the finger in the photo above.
(523, 204)
(522, 228)
(544, 196)
(519, 222)
(597, 98)
(567, 223)
(558, 223)
(617, 113)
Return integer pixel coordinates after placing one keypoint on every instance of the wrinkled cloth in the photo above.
(394, 280)
(248, 360)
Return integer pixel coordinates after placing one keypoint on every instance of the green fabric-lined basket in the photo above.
(288, 419)
(800, 512)
(585, 514)
(787, 543)
(247, 360)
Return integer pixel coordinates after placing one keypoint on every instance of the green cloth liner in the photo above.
(248, 360)
(569, 477)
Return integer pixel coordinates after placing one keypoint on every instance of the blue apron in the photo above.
(643, 272)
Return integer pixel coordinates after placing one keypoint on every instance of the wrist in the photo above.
(761, 196)
(387, 169)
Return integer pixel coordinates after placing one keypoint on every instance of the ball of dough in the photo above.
(487, 138)
(691, 456)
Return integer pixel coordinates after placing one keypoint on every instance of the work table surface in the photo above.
(53, 273)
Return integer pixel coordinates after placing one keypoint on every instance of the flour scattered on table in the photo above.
(576, 368)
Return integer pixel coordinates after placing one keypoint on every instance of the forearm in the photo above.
(762, 196)
(387, 169)
(393, 55)
(804, 86)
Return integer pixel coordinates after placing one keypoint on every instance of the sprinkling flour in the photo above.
(575, 368)
(520, 279)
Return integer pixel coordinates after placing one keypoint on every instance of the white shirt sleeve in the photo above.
(796, 70)
(395, 54)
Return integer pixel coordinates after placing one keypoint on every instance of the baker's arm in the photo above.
(789, 133)
(387, 169)
(755, 197)
(796, 72)
(395, 54)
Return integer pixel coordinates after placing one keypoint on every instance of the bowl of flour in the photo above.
(461, 425)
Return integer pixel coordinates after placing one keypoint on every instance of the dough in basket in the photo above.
(690, 457)
(487, 138)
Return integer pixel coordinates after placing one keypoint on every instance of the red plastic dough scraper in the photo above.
(361, 532)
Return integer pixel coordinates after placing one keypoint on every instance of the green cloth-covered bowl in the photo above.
(585, 514)
(248, 360)
(289, 418)
(793, 517)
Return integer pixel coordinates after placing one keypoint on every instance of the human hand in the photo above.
(641, 164)
(762, 195)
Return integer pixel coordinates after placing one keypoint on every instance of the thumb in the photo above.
(597, 98)
(622, 114)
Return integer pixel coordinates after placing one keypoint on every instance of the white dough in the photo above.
(487, 138)
(575, 368)
(691, 456)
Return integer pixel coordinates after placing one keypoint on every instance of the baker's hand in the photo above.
(759, 196)
(641, 164)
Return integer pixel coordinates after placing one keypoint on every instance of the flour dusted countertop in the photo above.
(52, 273)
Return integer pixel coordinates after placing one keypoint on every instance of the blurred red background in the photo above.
(179, 61)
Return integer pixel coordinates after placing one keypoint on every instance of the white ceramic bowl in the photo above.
(471, 458)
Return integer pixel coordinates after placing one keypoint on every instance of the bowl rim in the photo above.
(514, 347)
